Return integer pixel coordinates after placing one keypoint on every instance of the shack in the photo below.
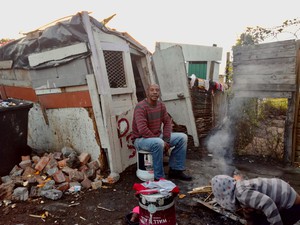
(84, 80)
(81, 77)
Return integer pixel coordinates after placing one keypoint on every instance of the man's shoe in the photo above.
(178, 174)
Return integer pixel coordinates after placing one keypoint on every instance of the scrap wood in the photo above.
(218, 209)
(100, 207)
(43, 216)
(203, 189)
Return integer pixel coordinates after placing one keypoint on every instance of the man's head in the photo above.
(223, 187)
(153, 93)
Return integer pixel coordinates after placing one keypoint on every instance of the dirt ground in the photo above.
(111, 203)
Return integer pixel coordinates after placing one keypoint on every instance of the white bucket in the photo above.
(145, 170)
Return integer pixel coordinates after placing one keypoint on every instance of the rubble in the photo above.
(51, 175)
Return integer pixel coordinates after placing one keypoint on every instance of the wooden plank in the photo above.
(26, 93)
(265, 79)
(71, 74)
(99, 67)
(59, 82)
(60, 90)
(267, 54)
(288, 130)
(17, 83)
(296, 142)
(265, 51)
(48, 91)
(7, 64)
(65, 100)
(268, 61)
(265, 87)
(119, 91)
(262, 94)
(268, 68)
(97, 111)
(56, 54)
(265, 45)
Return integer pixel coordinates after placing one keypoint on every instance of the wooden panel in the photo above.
(265, 51)
(265, 79)
(265, 87)
(2, 92)
(19, 83)
(266, 66)
(6, 64)
(56, 54)
(66, 100)
(15, 74)
(71, 74)
(269, 67)
(23, 93)
(171, 74)
(262, 94)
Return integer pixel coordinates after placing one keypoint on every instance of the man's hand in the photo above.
(166, 148)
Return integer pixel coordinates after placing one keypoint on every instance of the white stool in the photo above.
(144, 170)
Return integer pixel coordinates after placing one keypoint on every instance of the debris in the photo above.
(7, 202)
(203, 189)
(212, 205)
(100, 207)
(43, 216)
(74, 204)
(82, 218)
(181, 196)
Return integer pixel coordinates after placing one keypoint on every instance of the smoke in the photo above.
(220, 143)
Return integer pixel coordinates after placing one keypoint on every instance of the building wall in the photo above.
(194, 53)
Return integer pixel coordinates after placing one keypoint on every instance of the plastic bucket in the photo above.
(157, 209)
(144, 166)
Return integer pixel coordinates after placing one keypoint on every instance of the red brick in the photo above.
(52, 163)
(63, 186)
(86, 183)
(25, 163)
(57, 155)
(76, 175)
(94, 165)
(59, 177)
(28, 173)
(84, 158)
(62, 163)
(67, 170)
(42, 163)
(25, 157)
(83, 168)
(35, 159)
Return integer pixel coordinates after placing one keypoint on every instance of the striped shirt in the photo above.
(147, 121)
(268, 195)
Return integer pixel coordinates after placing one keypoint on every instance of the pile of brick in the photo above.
(50, 175)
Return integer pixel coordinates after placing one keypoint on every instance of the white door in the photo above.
(173, 81)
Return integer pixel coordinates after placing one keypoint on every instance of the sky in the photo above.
(190, 22)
